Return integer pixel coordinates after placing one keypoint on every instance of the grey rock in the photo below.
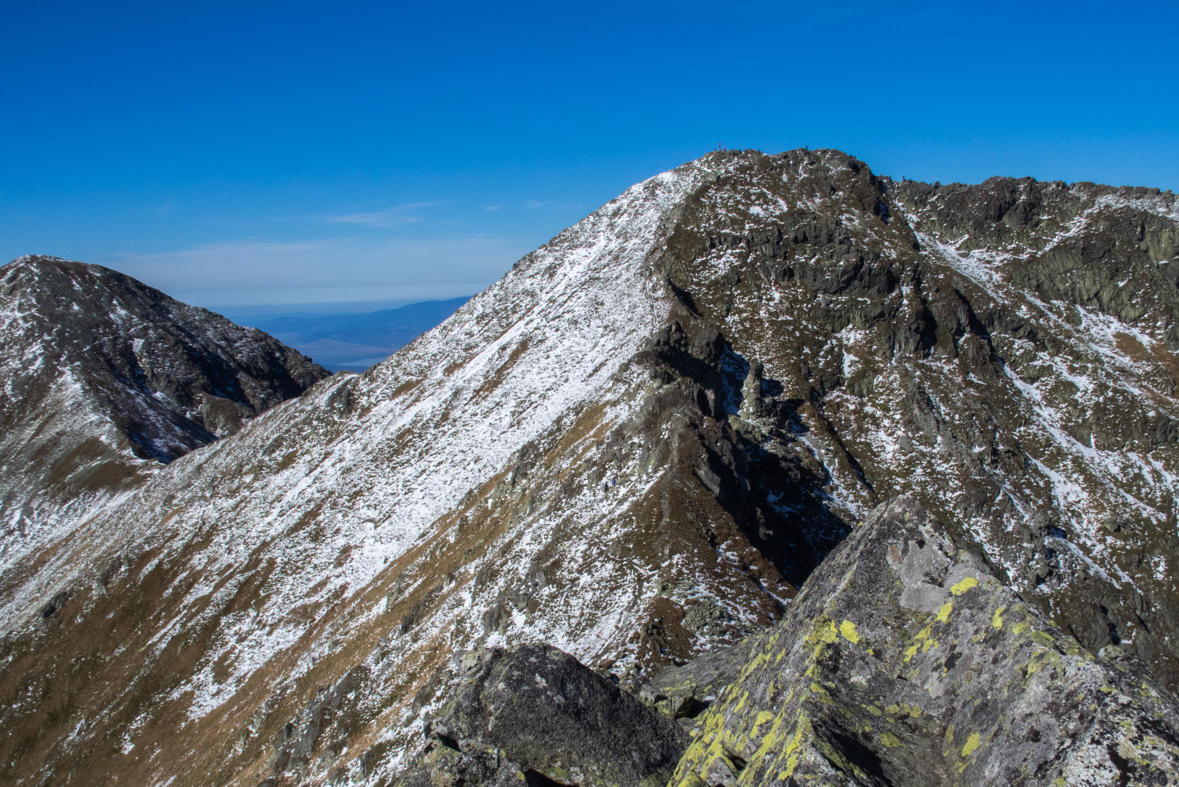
(537, 710)
(855, 686)
(705, 616)
(685, 692)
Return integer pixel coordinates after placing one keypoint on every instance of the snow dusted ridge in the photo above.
(631, 447)
(104, 378)
(311, 502)
(437, 421)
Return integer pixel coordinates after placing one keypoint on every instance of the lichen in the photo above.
(961, 587)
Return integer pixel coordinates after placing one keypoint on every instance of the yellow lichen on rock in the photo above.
(964, 586)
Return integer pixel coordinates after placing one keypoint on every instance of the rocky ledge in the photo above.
(536, 714)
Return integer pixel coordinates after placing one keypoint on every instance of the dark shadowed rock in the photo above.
(538, 712)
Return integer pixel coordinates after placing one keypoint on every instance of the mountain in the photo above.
(354, 342)
(636, 448)
(106, 379)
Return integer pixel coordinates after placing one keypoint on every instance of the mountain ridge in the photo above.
(635, 447)
(105, 379)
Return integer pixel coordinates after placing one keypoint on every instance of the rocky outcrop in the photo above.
(534, 713)
(905, 661)
(1095, 246)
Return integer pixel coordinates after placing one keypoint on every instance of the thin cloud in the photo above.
(401, 214)
(330, 269)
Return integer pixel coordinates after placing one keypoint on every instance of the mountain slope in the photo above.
(635, 447)
(249, 571)
(105, 378)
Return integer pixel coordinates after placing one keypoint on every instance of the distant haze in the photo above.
(349, 340)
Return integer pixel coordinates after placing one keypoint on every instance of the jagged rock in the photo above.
(538, 712)
(905, 661)
(686, 691)
(322, 727)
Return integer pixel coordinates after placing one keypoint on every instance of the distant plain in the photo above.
(347, 339)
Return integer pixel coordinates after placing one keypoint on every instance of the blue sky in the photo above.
(276, 153)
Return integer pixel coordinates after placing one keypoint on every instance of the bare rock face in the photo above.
(905, 661)
(542, 714)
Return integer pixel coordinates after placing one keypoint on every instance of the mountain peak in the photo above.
(105, 378)
(636, 447)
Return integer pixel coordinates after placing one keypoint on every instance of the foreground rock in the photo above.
(536, 714)
(906, 662)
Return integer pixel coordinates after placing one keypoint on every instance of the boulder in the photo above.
(535, 713)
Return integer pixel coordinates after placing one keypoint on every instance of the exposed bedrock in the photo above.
(536, 714)
(906, 661)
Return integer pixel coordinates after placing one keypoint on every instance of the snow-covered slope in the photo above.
(105, 378)
(278, 546)
(634, 447)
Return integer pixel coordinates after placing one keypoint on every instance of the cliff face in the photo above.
(636, 447)
(1003, 353)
